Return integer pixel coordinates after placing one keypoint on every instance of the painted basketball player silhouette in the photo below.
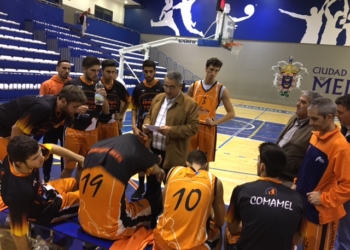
(313, 22)
(248, 10)
(185, 8)
(166, 18)
(345, 22)
(228, 26)
(331, 31)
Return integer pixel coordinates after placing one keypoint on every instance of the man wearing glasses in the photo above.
(170, 123)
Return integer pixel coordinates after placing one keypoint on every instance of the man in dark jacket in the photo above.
(295, 137)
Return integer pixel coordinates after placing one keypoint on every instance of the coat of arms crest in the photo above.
(287, 76)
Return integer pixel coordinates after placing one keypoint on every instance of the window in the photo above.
(103, 13)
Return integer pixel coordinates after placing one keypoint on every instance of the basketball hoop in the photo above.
(235, 48)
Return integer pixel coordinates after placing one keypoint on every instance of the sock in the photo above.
(142, 182)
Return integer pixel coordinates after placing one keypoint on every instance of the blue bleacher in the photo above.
(73, 42)
(92, 36)
(7, 50)
(25, 77)
(8, 23)
(32, 58)
(15, 32)
(43, 25)
(22, 42)
(58, 33)
(27, 63)
(76, 51)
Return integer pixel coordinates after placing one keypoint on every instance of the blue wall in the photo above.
(19, 10)
(266, 24)
(105, 29)
(140, 19)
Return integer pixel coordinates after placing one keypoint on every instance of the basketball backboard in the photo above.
(226, 30)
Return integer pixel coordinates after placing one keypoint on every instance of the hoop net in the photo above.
(235, 48)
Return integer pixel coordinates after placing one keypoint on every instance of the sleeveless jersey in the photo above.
(187, 205)
(87, 121)
(142, 97)
(207, 100)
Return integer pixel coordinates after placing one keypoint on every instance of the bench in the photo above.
(72, 229)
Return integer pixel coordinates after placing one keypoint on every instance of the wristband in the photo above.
(148, 171)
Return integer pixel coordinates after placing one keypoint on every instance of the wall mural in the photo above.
(312, 21)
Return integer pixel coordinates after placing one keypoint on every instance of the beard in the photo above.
(66, 113)
(149, 79)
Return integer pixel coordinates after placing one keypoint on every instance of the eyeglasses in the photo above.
(171, 88)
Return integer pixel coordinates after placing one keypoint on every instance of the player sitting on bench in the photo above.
(25, 195)
(189, 196)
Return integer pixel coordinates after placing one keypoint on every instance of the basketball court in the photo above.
(237, 140)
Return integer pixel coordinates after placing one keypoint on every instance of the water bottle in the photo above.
(41, 245)
(98, 97)
(38, 239)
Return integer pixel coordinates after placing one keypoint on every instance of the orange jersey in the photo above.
(95, 189)
(188, 200)
(104, 210)
(207, 100)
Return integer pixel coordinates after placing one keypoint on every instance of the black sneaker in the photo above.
(88, 246)
(138, 194)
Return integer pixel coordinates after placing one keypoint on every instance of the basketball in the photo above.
(249, 9)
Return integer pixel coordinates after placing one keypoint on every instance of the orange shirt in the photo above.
(208, 101)
(52, 86)
(189, 197)
(326, 168)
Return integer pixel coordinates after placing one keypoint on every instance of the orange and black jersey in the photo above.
(142, 97)
(270, 212)
(87, 121)
(34, 115)
(27, 198)
(115, 94)
(122, 157)
(108, 166)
